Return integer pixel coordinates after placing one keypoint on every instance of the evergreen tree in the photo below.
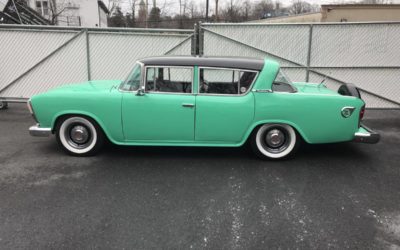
(117, 19)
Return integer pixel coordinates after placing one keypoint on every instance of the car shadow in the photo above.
(314, 151)
(306, 153)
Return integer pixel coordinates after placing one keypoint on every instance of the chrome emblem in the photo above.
(347, 111)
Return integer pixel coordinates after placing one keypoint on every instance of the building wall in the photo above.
(89, 13)
(103, 18)
(304, 18)
(360, 13)
(85, 13)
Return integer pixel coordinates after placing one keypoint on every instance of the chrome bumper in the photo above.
(366, 135)
(37, 131)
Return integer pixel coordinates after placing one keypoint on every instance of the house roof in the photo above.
(103, 6)
(221, 62)
(359, 6)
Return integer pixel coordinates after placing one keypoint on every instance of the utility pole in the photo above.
(207, 10)
(147, 13)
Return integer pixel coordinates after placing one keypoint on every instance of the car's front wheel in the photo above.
(79, 136)
(274, 141)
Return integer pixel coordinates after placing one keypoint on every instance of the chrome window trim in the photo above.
(141, 79)
(219, 68)
(163, 66)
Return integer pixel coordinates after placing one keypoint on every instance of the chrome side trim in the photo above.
(35, 130)
(262, 90)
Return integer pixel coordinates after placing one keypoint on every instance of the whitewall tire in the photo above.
(79, 135)
(274, 141)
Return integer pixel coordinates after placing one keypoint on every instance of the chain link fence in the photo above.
(366, 54)
(38, 58)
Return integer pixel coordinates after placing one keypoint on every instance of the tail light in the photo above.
(362, 111)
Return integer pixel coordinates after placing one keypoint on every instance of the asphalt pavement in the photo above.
(334, 196)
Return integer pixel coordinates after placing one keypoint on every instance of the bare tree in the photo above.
(262, 8)
(112, 5)
(232, 12)
(299, 6)
(246, 9)
(132, 4)
(56, 8)
(216, 10)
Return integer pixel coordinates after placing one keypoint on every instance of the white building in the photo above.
(85, 13)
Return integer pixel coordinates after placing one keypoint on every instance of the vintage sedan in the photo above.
(200, 101)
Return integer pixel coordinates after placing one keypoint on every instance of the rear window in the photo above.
(282, 83)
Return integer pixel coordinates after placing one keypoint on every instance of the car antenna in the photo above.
(323, 80)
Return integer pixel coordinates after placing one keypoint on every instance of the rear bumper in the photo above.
(366, 135)
(38, 131)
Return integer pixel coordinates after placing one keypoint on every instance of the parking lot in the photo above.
(329, 196)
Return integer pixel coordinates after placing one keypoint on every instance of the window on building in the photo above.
(42, 7)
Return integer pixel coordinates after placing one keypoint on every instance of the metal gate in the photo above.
(37, 58)
(366, 54)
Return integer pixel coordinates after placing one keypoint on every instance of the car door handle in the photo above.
(188, 105)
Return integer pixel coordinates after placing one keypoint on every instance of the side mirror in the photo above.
(140, 91)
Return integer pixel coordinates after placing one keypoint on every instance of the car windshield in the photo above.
(132, 82)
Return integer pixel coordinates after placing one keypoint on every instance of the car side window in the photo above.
(225, 81)
(169, 79)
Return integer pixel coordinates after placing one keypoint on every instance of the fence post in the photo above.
(87, 55)
(200, 40)
(310, 34)
(194, 50)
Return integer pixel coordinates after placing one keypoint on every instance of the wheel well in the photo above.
(61, 117)
(259, 125)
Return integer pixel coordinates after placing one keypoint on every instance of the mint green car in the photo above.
(199, 101)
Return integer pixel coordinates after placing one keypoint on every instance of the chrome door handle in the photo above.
(188, 105)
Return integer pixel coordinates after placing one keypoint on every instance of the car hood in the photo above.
(313, 88)
(90, 86)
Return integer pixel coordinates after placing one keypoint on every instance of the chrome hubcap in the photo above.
(79, 134)
(275, 138)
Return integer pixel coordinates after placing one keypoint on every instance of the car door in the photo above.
(224, 104)
(165, 111)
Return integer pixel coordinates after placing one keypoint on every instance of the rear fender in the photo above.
(262, 122)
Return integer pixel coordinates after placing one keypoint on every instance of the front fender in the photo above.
(110, 135)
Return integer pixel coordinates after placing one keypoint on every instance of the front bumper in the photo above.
(366, 135)
(38, 131)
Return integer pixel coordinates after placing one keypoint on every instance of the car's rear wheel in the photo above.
(274, 141)
(79, 136)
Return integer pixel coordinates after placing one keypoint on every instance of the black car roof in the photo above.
(221, 62)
